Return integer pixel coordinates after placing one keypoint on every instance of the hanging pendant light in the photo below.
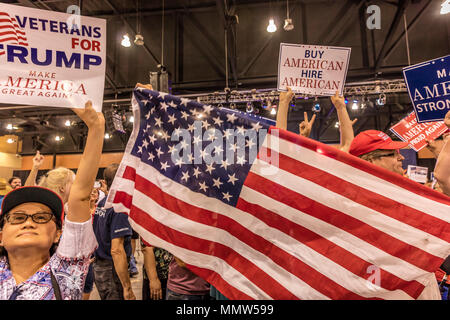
(271, 27)
(288, 25)
(139, 39)
(126, 41)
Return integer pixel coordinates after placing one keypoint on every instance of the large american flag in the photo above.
(301, 221)
(10, 32)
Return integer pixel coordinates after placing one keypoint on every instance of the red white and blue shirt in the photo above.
(69, 265)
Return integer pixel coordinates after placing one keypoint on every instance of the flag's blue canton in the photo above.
(161, 114)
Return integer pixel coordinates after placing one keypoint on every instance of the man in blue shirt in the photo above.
(113, 233)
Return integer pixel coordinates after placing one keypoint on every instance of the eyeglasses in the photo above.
(390, 154)
(19, 217)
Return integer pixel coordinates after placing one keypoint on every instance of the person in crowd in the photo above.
(31, 227)
(132, 268)
(183, 284)
(379, 149)
(442, 169)
(89, 283)
(4, 189)
(15, 182)
(155, 272)
(113, 233)
(345, 124)
(59, 180)
(38, 161)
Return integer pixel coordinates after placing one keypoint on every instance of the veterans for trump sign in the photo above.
(51, 59)
(417, 134)
(314, 70)
(428, 85)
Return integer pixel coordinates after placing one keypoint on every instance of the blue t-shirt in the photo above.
(109, 225)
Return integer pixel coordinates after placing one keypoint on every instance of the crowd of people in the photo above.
(72, 242)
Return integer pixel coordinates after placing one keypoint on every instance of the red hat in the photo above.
(371, 140)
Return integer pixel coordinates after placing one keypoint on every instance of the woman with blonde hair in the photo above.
(59, 180)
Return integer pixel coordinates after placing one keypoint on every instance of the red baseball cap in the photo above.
(371, 140)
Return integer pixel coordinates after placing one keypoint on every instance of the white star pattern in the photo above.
(172, 119)
(158, 122)
(256, 126)
(225, 164)
(184, 101)
(218, 121)
(232, 178)
(231, 117)
(159, 152)
(217, 183)
(164, 166)
(203, 186)
(185, 176)
(184, 115)
(210, 168)
(164, 106)
(241, 160)
(226, 196)
(196, 172)
(168, 119)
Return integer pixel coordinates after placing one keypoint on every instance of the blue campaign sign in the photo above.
(429, 88)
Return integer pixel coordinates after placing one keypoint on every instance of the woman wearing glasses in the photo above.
(31, 267)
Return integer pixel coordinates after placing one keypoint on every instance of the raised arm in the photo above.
(442, 169)
(37, 163)
(346, 125)
(283, 108)
(87, 170)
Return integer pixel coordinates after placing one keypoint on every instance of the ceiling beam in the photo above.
(402, 5)
(409, 27)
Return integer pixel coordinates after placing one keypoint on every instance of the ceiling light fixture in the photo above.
(288, 25)
(126, 41)
(445, 7)
(67, 123)
(139, 39)
(271, 27)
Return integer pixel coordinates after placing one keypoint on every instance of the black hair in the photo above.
(110, 173)
(13, 178)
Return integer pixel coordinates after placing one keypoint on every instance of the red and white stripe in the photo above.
(312, 227)
(10, 32)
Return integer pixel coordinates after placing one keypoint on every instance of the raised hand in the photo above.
(338, 101)
(38, 160)
(89, 116)
(286, 97)
(305, 126)
(145, 86)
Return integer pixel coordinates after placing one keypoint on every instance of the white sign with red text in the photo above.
(313, 70)
(417, 134)
(50, 58)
